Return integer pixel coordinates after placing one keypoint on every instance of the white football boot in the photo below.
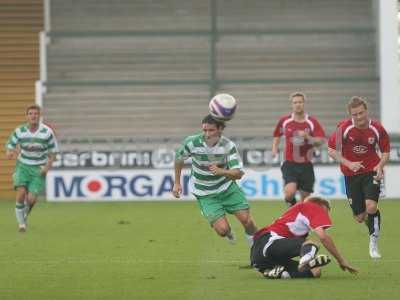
(373, 247)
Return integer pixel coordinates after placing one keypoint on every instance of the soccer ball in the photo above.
(222, 107)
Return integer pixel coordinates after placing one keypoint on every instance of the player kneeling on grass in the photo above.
(277, 244)
(216, 165)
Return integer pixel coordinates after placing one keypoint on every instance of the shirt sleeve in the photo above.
(384, 140)
(183, 151)
(318, 129)
(12, 141)
(52, 143)
(278, 129)
(234, 159)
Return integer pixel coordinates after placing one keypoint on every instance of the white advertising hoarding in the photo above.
(127, 185)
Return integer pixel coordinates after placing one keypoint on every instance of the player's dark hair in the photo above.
(298, 94)
(320, 201)
(356, 101)
(33, 107)
(210, 120)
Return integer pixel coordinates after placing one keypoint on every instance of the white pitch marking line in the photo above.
(178, 262)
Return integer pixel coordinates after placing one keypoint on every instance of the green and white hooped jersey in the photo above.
(224, 154)
(35, 146)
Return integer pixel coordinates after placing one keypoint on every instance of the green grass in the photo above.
(166, 250)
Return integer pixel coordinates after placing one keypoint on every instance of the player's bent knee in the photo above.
(372, 208)
(222, 229)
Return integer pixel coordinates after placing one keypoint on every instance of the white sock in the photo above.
(19, 213)
(231, 237)
(26, 210)
(306, 257)
(249, 239)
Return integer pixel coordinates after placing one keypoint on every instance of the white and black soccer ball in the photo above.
(222, 107)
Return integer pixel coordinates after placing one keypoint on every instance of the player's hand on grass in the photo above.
(177, 190)
(346, 267)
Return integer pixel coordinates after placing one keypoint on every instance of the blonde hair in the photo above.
(356, 101)
(298, 94)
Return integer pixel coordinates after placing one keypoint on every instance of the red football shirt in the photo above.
(296, 148)
(298, 221)
(357, 144)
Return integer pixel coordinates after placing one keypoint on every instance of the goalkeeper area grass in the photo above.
(167, 250)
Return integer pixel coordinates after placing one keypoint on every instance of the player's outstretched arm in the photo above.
(328, 243)
(275, 146)
(177, 188)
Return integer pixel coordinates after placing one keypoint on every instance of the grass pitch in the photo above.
(166, 250)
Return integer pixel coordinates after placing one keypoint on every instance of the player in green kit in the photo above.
(216, 165)
(34, 145)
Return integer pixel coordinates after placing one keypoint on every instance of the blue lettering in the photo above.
(61, 189)
(115, 182)
(166, 185)
(266, 183)
(327, 186)
(147, 190)
(249, 187)
(342, 185)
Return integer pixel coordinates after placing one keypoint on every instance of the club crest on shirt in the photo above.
(371, 140)
(350, 201)
(34, 147)
(360, 149)
(297, 140)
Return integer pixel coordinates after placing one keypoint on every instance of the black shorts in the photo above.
(359, 188)
(279, 253)
(300, 173)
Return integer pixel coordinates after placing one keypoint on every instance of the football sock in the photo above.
(374, 223)
(297, 274)
(292, 269)
(249, 239)
(28, 208)
(291, 201)
(308, 252)
(19, 213)
(231, 237)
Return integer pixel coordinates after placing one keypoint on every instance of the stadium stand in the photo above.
(20, 22)
(125, 69)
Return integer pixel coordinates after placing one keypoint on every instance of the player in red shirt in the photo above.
(302, 133)
(277, 244)
(354, 145)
